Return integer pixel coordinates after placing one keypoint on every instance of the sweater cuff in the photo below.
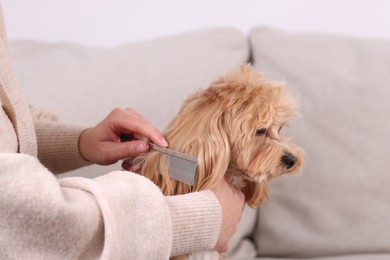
(58, 147)
(196, 221)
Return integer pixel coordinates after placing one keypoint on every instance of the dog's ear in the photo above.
(198, 130)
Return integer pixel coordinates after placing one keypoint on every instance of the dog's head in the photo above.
(233, 125)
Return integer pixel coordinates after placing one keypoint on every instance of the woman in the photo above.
(120, 215)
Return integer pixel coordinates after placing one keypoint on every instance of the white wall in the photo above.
(112, 22)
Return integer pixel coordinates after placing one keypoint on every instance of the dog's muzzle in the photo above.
(289, 160)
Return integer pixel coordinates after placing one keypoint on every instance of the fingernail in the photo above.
(164, 142)
(141, 147)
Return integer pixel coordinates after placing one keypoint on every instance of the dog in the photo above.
(233, 125)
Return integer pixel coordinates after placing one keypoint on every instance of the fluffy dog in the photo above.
(233, 125)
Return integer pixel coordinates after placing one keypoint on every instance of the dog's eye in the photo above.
(261, 131)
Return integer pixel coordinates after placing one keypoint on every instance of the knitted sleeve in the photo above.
(120, 215)
(58, 146)
(196, 221)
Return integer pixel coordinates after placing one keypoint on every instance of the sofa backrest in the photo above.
(83, 84)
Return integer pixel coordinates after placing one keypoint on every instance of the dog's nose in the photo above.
(289, 160)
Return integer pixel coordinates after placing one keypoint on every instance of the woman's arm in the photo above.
(120, 215)
(58, 146)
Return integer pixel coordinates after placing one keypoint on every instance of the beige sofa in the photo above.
(338, 209)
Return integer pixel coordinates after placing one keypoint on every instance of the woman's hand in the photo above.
(103, 143)
(232, 203)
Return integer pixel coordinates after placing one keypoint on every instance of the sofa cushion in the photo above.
(83, 84)
(341, 202)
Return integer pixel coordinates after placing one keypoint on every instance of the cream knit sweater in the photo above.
(120, 215)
